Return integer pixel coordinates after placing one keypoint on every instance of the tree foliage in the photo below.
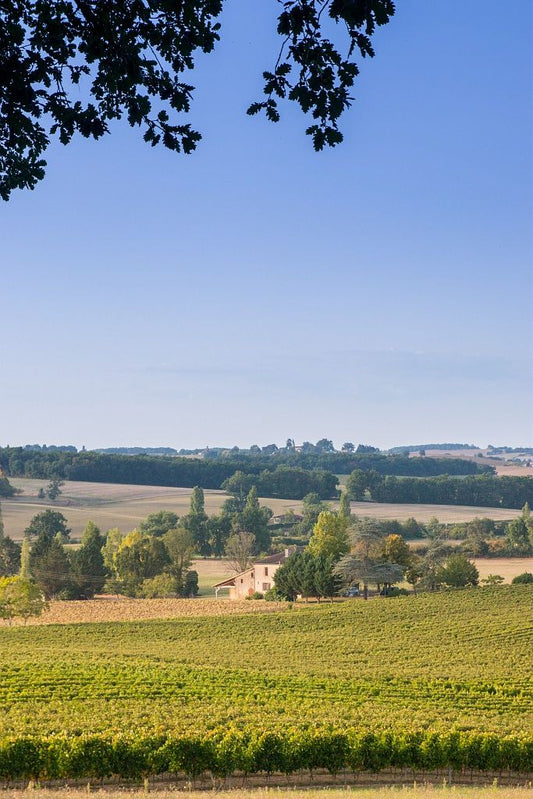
(330, 536)
(9, 552)
(458, 572)
(48, 524)
(20, 598)
(74, 67)
(307, 574)
(89, 570)
(159, 523)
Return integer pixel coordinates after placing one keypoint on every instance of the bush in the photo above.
(525, 577)
(162, 585)
(190, 588)
(395, 591)
(273, 595)
(255, 595)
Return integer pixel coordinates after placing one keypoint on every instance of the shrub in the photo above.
(190, 588)
(273, 595)
(162, 585)
(525, 577)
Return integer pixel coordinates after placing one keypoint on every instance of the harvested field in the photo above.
(124, 506)
(448, 514)
(109, 609)
(109, 504)
(505, 567)
(502, 463)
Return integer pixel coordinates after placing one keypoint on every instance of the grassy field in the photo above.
(124, 506)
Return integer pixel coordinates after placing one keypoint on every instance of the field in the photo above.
(373, 684)
(505, 567)
(502, 463)
(113, 609)
(111, 505)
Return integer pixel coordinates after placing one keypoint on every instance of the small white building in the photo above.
(259, 577)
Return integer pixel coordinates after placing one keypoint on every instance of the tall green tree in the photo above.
(330, 536)
(139, 558)
(344, 505)
(366, 563)
(9, 552)
(517, 537)
(238, 485)
(254, 519)
(159, 523)
(219, 529)
(327, 583)
(180, 547)
(89, 572)
(51, 568)
(458, 572)
(112, 544)
(48, 524)
(288, 578)
(196, 522)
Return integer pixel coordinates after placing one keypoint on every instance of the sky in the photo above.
(378, 293)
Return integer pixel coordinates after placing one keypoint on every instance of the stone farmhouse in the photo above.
(259, 577)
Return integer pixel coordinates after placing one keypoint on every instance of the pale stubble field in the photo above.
(125, 506)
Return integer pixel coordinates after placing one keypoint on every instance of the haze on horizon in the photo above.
(378, 293)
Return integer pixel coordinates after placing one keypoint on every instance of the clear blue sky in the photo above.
(377, 293)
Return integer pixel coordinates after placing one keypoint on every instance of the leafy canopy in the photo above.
(74, 66)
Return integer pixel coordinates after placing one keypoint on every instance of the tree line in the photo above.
(484, 490)
(281, 470)
(291, 482)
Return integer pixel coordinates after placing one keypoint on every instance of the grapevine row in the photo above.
(97, 756)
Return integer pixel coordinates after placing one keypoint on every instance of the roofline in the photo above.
(232, 579)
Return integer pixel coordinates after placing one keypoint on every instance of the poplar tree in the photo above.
(330, 536)
(344, 506)
(9, 552)
(25, 571)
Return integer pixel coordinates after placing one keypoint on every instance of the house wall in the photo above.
(244, 585)
(264, 576)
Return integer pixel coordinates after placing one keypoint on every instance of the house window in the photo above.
(266, 586)
(266, 571)
(242, 580)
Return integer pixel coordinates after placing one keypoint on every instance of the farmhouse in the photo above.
(259, 577)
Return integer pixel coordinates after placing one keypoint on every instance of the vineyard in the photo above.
(422, 682)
